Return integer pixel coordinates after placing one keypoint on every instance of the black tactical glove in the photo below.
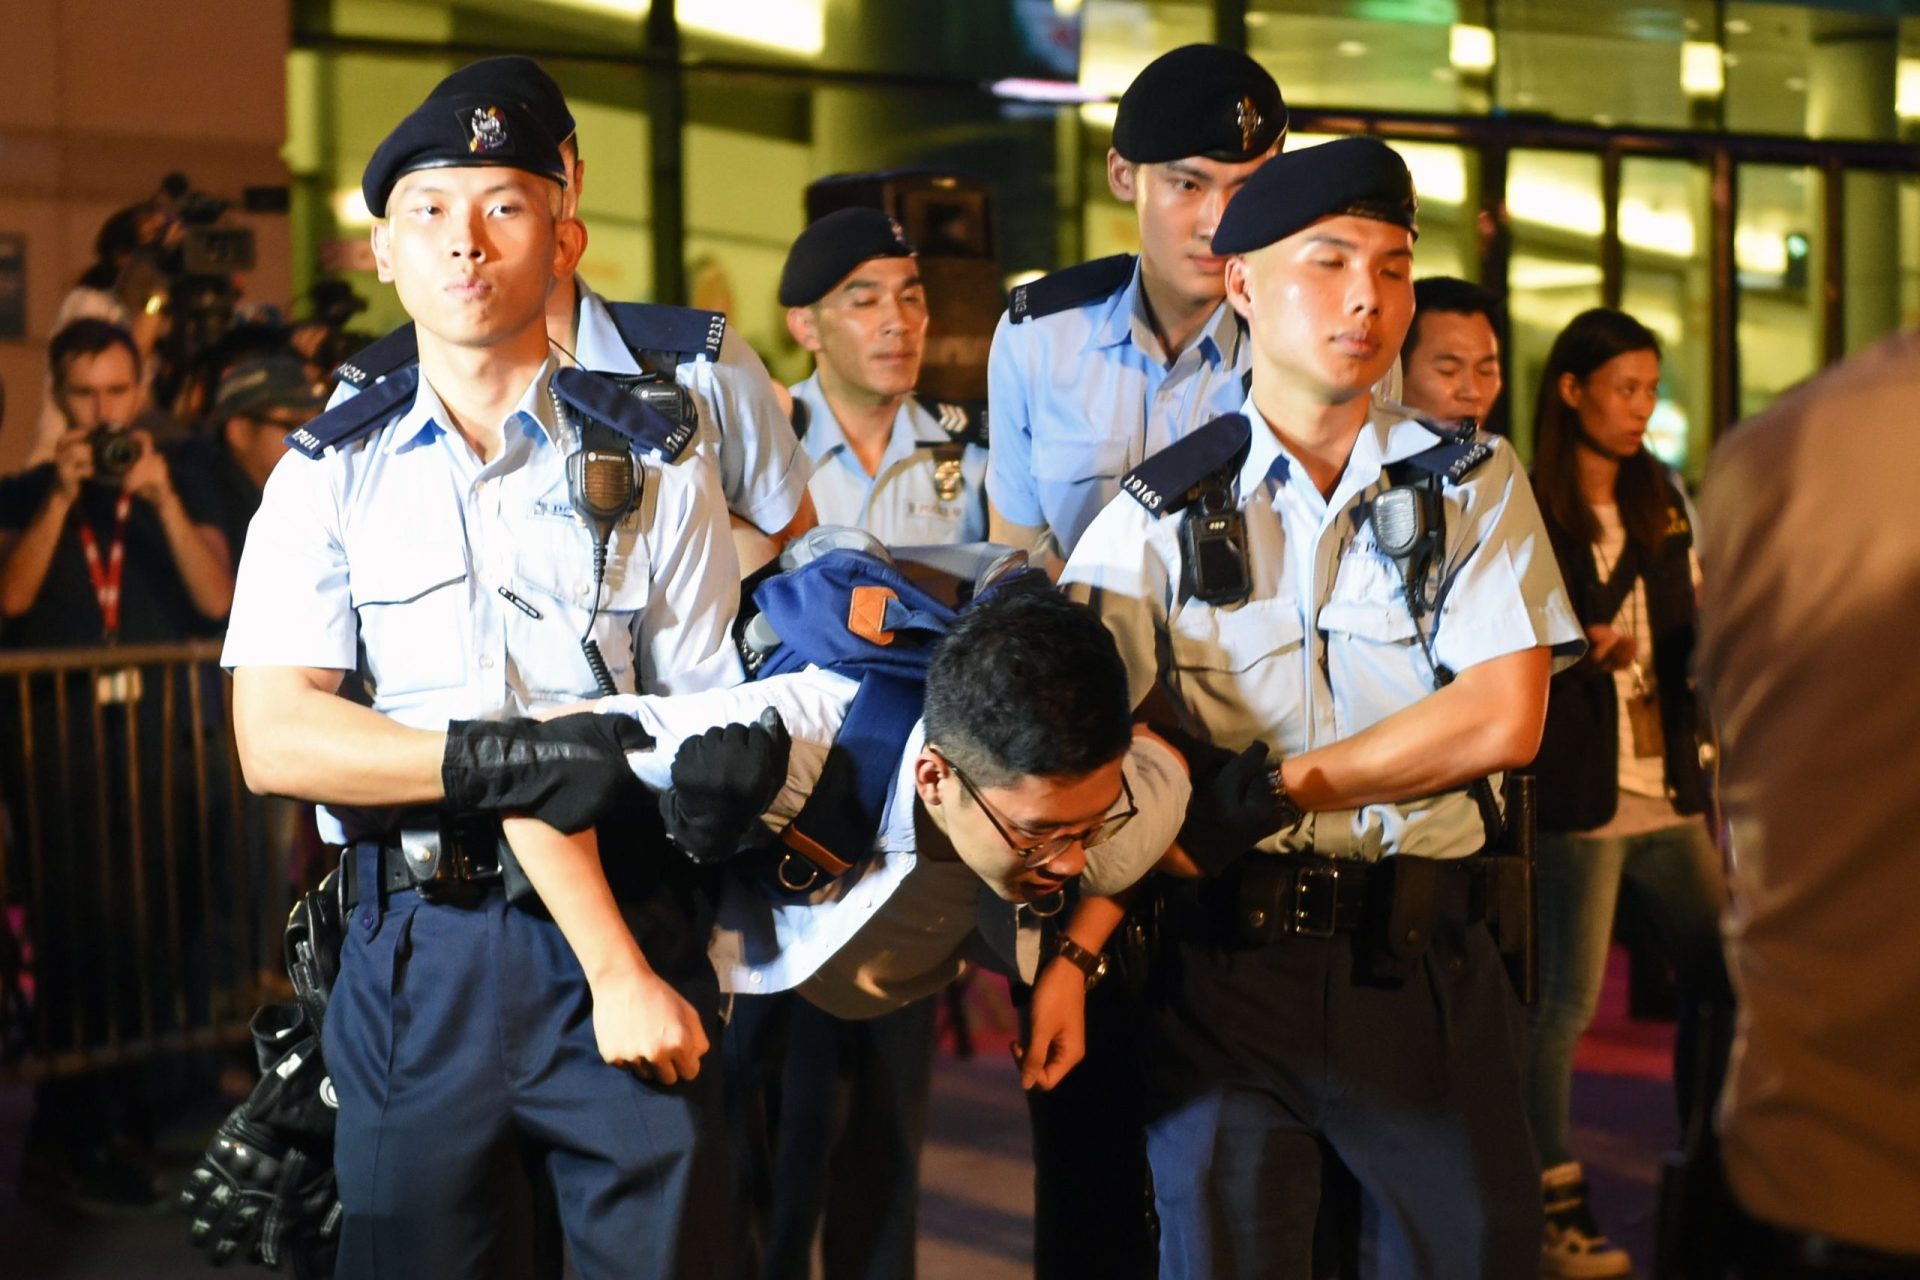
(723, 781)
(264, 1191)
(566, 772)
(1234, 805)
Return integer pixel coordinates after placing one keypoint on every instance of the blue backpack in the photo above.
(840, 601)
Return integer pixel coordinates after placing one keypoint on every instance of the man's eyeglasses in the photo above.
(1041, 852)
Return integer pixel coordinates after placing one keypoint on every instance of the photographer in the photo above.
(141, 560)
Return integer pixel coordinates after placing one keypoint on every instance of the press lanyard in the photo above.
(106, 578)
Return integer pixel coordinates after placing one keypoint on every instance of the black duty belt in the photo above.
(439, 855)
(1267, 897)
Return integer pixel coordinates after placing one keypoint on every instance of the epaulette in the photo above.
(606, 401)
(379, 358)
(1175, 476)
(1070, 287)
(964, 421)
(356, 416)
(653, 326)
(1460, 450)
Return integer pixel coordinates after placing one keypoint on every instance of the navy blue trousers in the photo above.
(460, 1042)
(1262, 1059)
(827, 1117)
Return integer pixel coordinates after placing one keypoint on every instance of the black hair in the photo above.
(1590, 340)
(1028, 684)
(1449, 294)
(87, 337)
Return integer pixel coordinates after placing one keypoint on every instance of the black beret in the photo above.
(456, 132)
(516, 79)
(1357, 175)
(1199, 100)
(832, 247)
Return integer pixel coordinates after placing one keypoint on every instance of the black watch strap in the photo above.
(1092, 963)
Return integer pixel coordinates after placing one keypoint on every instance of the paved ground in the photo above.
(976, 1219)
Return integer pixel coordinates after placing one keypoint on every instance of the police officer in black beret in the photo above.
(430, 541)
(1093, 368)
(1365, 606)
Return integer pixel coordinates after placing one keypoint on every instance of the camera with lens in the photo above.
(114, 451)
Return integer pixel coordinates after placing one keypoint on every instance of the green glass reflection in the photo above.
(1555, 220)
(1667, 284)
(1778, 248)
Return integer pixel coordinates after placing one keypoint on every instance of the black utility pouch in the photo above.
(1261, 899)
(1509, 907)
(1136, 943)
(1402, 910)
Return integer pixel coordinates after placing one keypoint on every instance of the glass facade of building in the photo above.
(1733, 173)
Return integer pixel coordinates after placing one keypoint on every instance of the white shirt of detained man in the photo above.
(899, 926)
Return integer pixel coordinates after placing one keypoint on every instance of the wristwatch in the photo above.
(1291, 814)
(1091, 963)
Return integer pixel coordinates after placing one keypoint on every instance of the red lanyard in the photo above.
(106, 579)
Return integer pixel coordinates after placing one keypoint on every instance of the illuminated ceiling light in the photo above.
(1439, 172)
(1760, 252)
(1702, 74)
(1020, 89)
(1066, 8)
(790, 26)
(350, 208)
(1796, 84)
(1906, 93)
(1738, 26)
(1470, 48)
(1351, 49)
(1100, 115)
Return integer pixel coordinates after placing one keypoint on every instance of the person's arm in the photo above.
(1058, 1040)
(29, 554)
(298, 737)
(199, 551)
(763, 470)
(683, 636)
(1014, 514)
(639, 1020)
(1487, 720)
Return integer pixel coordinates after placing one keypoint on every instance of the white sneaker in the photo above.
(1574, 1247)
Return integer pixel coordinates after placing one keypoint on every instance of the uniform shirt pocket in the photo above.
(412, 609)
(1239, 670)
(1073, 459)
(1375, 662)
(555, 566)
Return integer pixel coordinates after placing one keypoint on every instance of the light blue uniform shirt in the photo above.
(901, 503)
(744, 431)
(1078, 398)
(388, 557)
(1326, 646)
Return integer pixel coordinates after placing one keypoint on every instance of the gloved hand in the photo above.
(255, 1199)
(1233, 806)
(723, 781)
(567, 772)
(264, 1190)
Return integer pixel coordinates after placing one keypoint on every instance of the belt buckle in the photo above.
(1315, 899)
(443, 861)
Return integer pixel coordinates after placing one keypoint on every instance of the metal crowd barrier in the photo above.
(134, 902)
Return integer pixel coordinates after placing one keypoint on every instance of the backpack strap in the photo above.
(356, 416)
(1071, 287)
(848, 803)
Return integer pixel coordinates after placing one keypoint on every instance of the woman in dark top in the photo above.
(1621, 783)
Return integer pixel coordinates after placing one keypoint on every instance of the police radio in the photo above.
(1406, 525)
(604, 483)
(1213, 549)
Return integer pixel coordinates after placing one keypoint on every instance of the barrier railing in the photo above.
(135, 893)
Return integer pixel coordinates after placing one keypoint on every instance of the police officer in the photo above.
(908, 470)
(434, 548)
(1094, 368)
(1098, 366)
(742, 428)
(1339, 987)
